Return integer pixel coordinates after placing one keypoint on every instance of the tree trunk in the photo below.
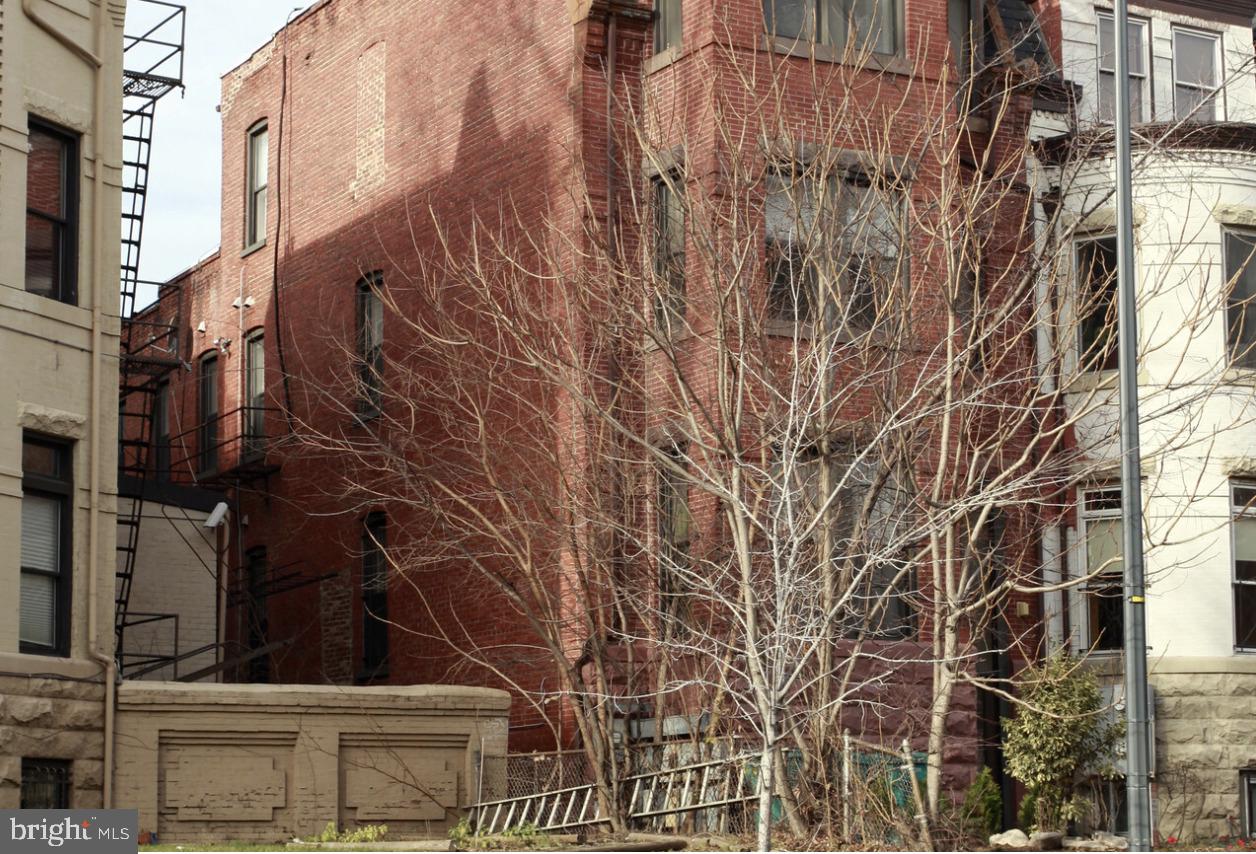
(767, 765)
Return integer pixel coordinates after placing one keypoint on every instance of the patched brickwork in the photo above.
(370, 120)
(335, 609)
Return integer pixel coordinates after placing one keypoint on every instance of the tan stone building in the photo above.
(60, 180)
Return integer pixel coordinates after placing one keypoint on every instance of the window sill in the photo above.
(368, 676)
(364, 415)
(802, 49)
(1239, 376)
(250, 249)
(43, 651)
(662, 59)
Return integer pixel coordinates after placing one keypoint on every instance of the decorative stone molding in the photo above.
(53, 422)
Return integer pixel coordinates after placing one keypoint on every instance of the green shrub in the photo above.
(365, 833)
(1058, 737)
(983, 806)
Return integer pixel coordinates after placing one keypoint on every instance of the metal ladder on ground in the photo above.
(656, 799)
(153, 67)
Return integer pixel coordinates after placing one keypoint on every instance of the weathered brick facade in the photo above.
(383, 117)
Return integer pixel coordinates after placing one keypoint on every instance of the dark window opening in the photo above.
(257, 613)
(1105, 598)
(254, 395)
(669, 252)
(1247, 796)
(51, 212)
(374, 597)
(674, 531)
(1096, 295)
(207, 433)
(1243, 500)
(47, 492)
(370, 321)
(1240, 303)
(161, 432)
(45, 784)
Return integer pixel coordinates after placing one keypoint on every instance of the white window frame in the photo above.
(1085, 518)
(1218, 98)
(1238, 511)
(1144, 87)
(256, 191)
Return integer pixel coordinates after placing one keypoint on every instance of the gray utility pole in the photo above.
(1138, 740)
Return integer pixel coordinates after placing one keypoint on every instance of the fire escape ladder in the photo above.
(152, 68)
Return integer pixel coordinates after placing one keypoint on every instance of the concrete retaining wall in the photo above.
(267, 763)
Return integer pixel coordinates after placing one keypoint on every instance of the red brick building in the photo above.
(359, 126)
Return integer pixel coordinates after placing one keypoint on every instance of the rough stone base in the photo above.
(47, 718)
(1205, 734)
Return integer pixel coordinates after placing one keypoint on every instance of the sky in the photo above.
(181, 219)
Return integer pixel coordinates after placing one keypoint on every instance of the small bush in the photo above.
(983, 806)
(365, 833)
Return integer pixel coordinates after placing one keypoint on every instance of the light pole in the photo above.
(1138, 737)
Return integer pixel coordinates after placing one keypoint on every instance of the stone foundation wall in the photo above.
(1205, 735)
(50, 718)
(265, 763)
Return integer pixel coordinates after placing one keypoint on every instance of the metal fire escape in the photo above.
(153, 67)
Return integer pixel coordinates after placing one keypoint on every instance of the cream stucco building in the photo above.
(1193, 96)
(60, 179)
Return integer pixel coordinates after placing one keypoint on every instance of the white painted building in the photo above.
(1195, 229)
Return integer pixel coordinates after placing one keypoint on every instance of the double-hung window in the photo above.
(370, 319)
(667, 24)
(1137, 36)
(1196, 74)
(669, 251)
(674, 524)
(1096, 304)
(1243, 509)
(254, 394)
(51, 212)
(860, 538)
(833, 248)
(207, 399)
(47, 493)
(866, 24)
(374, 597)
(1240, 280)
(1105, 570)
(258, 156)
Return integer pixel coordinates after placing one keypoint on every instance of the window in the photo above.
(45, 784)
(207, 432)
(374, 597)
(47, 490)
(1136, 31)
(866, 24)
(255, 202)
(1104, 592)
(257, 613)
(51, 212)
(1247, 797)
(1096, 296)
(1196, 62)
(1240, 276)
(834, 243)
(829, 489)
(254, 394)
(669, 252)
(674, 525)
(1243, 502)
(964, 28)
(667, 24)
(370, 314)
(161, 432)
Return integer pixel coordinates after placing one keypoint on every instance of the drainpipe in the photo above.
(94, 651)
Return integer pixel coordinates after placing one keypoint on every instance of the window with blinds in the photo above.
(44, 596)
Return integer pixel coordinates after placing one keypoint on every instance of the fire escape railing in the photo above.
(152, 68)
